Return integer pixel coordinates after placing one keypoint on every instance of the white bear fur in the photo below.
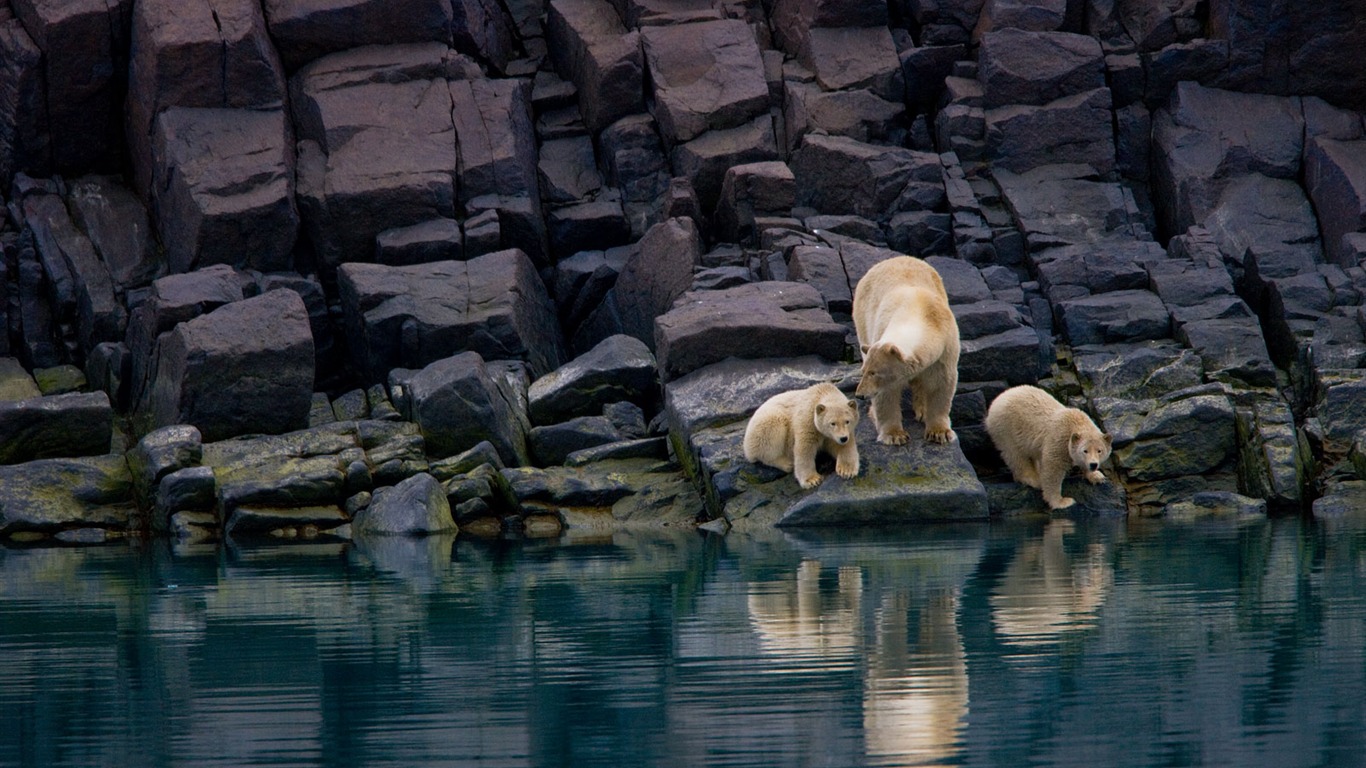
(1041, 439)
(909, 337)
(790, 428)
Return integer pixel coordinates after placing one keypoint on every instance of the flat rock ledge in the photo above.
(709, 408)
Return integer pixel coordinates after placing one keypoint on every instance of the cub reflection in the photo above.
(793, 618)
(1046, 592)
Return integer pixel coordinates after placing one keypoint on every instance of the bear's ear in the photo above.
(820, 408)
(853, 406)
(888, 349)
(1108, 439)
(1076, 438)
(863, 348)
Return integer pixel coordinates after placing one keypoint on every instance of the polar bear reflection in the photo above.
(915, 687)
(794, 620)
(1043, 593)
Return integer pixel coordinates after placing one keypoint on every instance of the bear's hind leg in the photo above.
(1023, 469)
(934, 389)
(769, 442)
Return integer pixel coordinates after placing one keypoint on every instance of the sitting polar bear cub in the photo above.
(789, 428)
(1041, 439)
(908, 337)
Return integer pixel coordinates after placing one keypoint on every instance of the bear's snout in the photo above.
(1095, 465)
(843, 440)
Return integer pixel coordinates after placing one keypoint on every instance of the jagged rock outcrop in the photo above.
(513, 244)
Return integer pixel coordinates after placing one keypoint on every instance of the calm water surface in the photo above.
(1068, 643)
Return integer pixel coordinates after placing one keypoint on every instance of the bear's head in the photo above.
(836, 418)
(884, 366)
(1089, 451)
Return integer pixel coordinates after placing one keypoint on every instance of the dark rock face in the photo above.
(1335, 176)
(651, 279)
(1205, 137)
(496, 145)
(85, 55)
(620, 368)
(1258, 32)
(769, 319)
(25, 144)
(172, 300)
(553, 444)
(52, 494)
(377, 146)
(842, 175)
(395, 231)
(224, 188)
(305, 31)
(245, 367)
(423, 243)
(458, 402)
(204, 53)
(162, 452)
(725, 89)
(592, 49)
(118, 226)
(80, 282)
(56, 426)
(407, 317)
(1023, 137)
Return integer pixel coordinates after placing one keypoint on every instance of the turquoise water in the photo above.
(1069, 643)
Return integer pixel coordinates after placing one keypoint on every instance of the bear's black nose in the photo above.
(1095, 465)
(843, 440)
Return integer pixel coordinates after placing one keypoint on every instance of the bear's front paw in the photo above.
(942, 436)
(809, 481)
(894, 437)
(846, 470)
(1095, 478)
(1063, 503)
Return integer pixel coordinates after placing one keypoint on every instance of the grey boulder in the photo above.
(246, 367)
(415, 507)
(620, 368)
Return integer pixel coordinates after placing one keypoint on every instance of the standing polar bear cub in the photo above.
(908, 337)
(1041, 439)
(789, 428)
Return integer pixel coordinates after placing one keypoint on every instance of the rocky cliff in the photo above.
(274, 266)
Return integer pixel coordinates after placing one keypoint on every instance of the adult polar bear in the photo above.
(908, 337)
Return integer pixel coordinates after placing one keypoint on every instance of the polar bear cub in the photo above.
(908, 337)
(1041, 439)
(790, 428)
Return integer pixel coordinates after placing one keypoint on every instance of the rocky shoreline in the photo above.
(522, 266)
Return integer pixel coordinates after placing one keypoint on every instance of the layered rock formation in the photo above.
(280, 267)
